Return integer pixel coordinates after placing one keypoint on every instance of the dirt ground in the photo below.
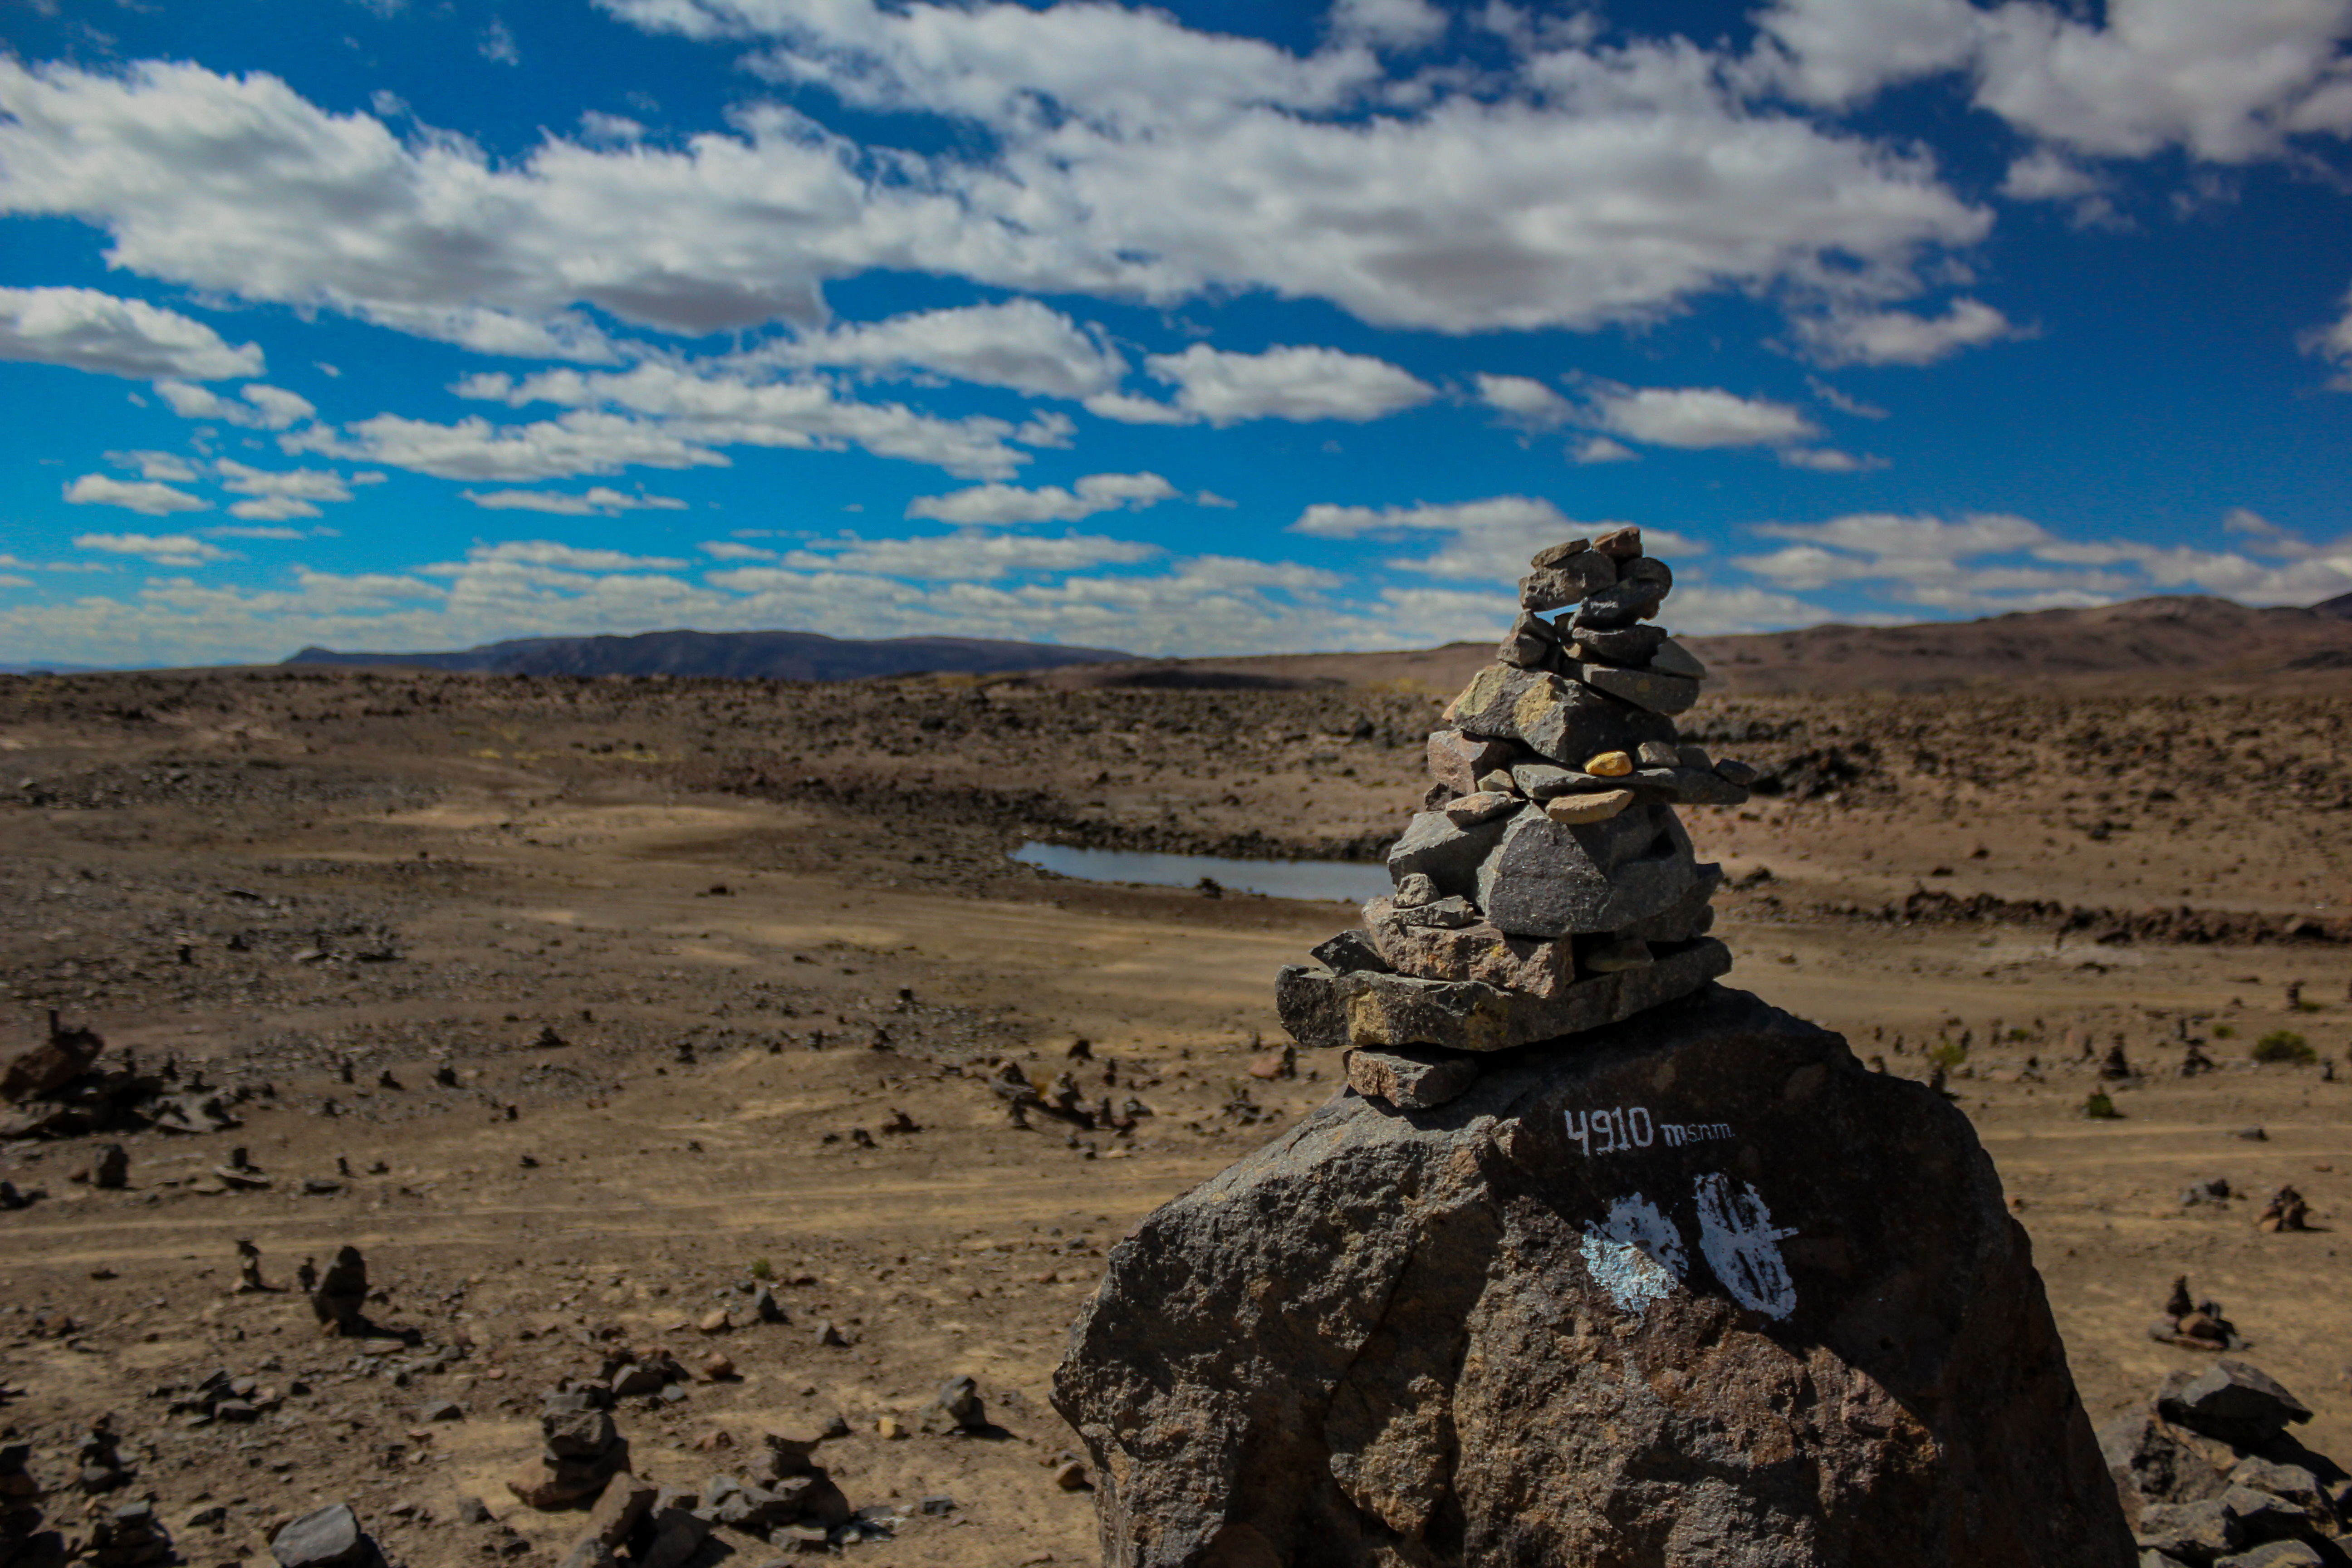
(759, 922)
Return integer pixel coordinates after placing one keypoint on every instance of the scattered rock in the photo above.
(330, 1537)
(956, 1407)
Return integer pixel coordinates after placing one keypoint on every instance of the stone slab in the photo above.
(1411, 1077)
(1323, 1009)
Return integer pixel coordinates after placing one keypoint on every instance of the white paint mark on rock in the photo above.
(1636, 1255)
(1736, 1236)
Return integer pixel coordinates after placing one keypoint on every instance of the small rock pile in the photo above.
(340, 1302)
(129, 1536)
(788, 1500)
(2210, 1477)
(1546, 887)
(20, 1501)
(583, 1450)
(56, 1089)
(2192, 1324)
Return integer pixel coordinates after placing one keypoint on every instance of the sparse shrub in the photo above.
(2283, 1045)
(762, 1269)
(2099, 1107)
(2225, 1032)
(1948, 1056)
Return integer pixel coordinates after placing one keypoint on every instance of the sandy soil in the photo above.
(764, 921)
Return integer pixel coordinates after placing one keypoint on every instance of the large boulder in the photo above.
(1696, 1288)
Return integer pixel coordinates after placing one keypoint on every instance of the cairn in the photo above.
(581, 1451)
(20, 1502)
(1546, 886)
(340, 1303)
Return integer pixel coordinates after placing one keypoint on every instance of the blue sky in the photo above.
(1203, 329)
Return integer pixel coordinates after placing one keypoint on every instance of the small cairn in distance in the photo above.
(1546, 887)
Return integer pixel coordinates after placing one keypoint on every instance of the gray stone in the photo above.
(1552, 556)
(1732, 771)
(1657, 755)
(1446, 852)
(2196, 1533)
(1321, 1009)
(678, 1535)
(1458, 761)
(1530, 644)
(1584, 810)
(956, 1407)
(1444, 914)
(1475, 950)
(1543, 781)
(112, 1169)
(1350, 949)
(1612, 1306)
(1650, 689)
(2234, 1402)
(1484, 805)
(1562, 720)
(1621, 545)
(1548, 878)
(330, 1537)
(578, 1433)
(2295, 1483)
(1557, 587)
(1411, 1077)
(1626, 645)
(1609, 608)
(1673, 659)
(1413, 891)
(2275, 1554)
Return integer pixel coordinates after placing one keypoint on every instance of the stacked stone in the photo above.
(128, 1537)
(20, 1501)
(581, 1451)
(1546, 887)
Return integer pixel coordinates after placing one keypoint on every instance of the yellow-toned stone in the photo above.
(1609, 765)
(1574, 810)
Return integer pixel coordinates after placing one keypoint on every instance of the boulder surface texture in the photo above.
(1698, 1288)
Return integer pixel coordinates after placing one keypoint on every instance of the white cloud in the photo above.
(1488, 539)
(148, 498)
(2334, 343)
(1019, 344)
(1303, 384)
(163, 550)
(1130, 409)
(2229, 82)
(87, 329)
(1828, 460)
(474, 449)
(2047, 175)
(1011, 504)
(277, 533)
(1388, 24)
(597, 500)
(548, 552)
(263, 407)
(968, 554)
(1899, 337)
(709, 406)
(296, 484)
(727, 549)
(1697, 417)
(1590, 184)
(154, 465)
(1602, 449)
(1524, 400)
(498, 44)
(269, 509)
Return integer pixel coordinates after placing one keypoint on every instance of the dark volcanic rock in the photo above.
(1695, 1288)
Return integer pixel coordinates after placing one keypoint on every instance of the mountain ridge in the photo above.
(733, 656)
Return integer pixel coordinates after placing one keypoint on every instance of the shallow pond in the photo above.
(1336, 879)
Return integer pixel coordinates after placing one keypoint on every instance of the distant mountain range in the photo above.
(2165, 637)
(737, 656)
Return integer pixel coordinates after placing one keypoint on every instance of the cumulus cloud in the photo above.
(2333, 343)
(1697, 417)
(256, 406)
(149, 498)
(1011, 504)
(1902, 337)
(166, 465)
(597, 500)
(2229, 83)
(1602, 449)
(1828, 460)
(698, 408)
(969, 554)
(1301, 385)
(1019, 344)
(87, 329)
(474, 449)
(1598, 185)
(1524, 400)
(163, 549)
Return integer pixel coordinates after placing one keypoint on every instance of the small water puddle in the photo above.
(1340, 880)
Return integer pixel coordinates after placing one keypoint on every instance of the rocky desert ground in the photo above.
(588, 1009)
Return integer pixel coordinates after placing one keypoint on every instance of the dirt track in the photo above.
(549, 856)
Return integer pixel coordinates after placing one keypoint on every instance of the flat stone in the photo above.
(1530, 644)
(1657, 755)
(1484, 805)
(1557, 587)
(1446, 852)
(1619, 543)
(329, 1537)
(1733, 772)
(1440, 914)
(1411, 1079)
(1673, 659)
(2195, 1531)
(1649, 689)
(1626, 645)
(1553, 555)
(1617, 955)
(2297, 1483)
(1475, 950)
(1413, 890)
(1548, 878)
(1459, 761)
(1321, 1009)
(1350, 949)
(1583, 808)
(624, 1500)
(2235, 1402)
(1556, 718)
(1622, 604)
(1538, 1325)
